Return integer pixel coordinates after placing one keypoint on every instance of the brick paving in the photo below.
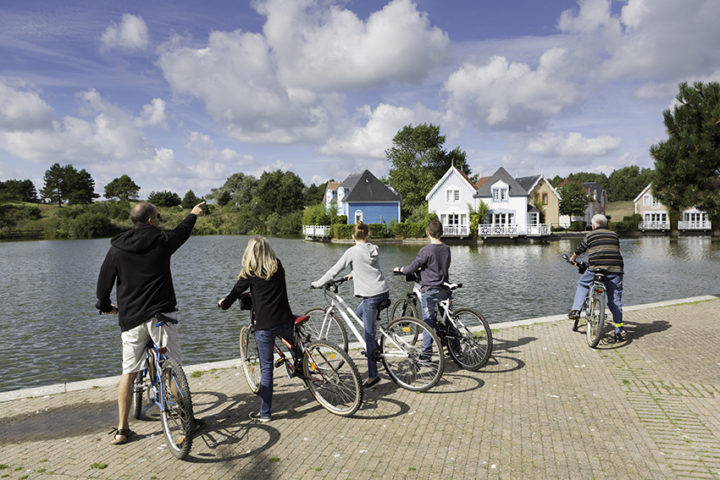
(546, 406)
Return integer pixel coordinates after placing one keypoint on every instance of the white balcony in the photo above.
(653, 226)
(489, 230)
(316, 231)
(456, 231)
(695, 226)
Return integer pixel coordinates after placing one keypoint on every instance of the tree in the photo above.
(68, 184)
(688, 162)
(627, 182)
(279, 192)
(315, 194)
(122, 188)
(164, 199)
(239, 187)
(418, 161)
(574, 200)
(53, 184)
(190, 200)
(78, 186)
(19, 190)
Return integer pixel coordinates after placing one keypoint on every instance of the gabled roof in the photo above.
(642, 193)
(332, 185)
(514, 188)
(445, 176)
(365, 187)
(481, 181)
(528, 183)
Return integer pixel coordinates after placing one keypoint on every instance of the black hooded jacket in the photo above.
(139, 260)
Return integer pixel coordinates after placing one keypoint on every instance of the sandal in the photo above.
(122, 435)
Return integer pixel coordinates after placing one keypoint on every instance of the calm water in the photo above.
(51, 332)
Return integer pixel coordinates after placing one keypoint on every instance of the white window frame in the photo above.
(452, 195)
(358, 216)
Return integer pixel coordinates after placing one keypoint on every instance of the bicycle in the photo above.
(594, 306)
(406, 363)
(167, 387)
(464, 331)
(328, 371)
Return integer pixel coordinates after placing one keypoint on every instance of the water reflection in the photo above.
(51, 332)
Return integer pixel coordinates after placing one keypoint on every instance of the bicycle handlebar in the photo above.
(581, 266)
(331, 284)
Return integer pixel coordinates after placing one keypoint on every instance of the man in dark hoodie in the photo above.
(139, 261)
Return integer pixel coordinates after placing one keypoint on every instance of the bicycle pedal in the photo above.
(279, 362)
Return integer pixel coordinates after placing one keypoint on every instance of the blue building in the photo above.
(362, 197)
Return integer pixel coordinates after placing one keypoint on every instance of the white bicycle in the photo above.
(402, 355)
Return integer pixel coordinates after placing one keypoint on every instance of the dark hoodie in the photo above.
(139, 260)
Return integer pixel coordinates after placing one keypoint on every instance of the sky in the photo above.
(181, 94)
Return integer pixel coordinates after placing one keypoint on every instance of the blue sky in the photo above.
(179, 95)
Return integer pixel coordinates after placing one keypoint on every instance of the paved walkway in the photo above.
(547, 406)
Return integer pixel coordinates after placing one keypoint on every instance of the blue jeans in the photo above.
(266, 341)
(613, 288)
(429, 301)
(367, 312)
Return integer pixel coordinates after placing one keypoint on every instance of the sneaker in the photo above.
(620, 336)
(574, 315)
(258, 417)
(371, 383)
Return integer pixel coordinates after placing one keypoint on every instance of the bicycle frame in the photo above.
(338, 304)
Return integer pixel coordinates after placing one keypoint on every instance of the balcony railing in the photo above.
(645, 226)
(697, 225)
(456, 231)
(489, 230)
(316, 231)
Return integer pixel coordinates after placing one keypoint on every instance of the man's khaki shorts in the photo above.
(135, 340)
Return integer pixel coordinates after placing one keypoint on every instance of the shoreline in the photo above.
(58, 388)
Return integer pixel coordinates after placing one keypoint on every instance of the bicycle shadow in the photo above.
(634, 331)
(500, 361)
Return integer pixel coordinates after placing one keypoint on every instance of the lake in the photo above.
(51, 332)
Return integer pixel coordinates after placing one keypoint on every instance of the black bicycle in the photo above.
(595, 304)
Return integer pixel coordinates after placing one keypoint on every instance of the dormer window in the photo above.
(452, 194)
(500, 193)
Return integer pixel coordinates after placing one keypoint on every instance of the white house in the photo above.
(451, 199)
(655, 215)
(509, 211)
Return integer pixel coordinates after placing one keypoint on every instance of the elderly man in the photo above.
(603, 247)
(139, 261)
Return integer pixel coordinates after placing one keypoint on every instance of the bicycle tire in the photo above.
(405, 361)
(138, 389)
(596, 319)
(177, 412)
(250, 359)
(405, 307)
(333, 378)
(314, 329)
(473, 333)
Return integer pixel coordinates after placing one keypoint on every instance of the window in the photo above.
(452, 195)
(499, 194)
(358, 216)
(502, 218)
(647, 200)
(545, 198)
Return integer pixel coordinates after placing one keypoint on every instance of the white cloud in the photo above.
(152, 114)
(372, 139)
(511, 95)
(324, 48)
(21, 109)
(574, 145)
(130, 34)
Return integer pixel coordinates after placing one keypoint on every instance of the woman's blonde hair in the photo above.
(259, 260)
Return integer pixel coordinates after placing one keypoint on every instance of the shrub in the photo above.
(340, 230)
(409, 230)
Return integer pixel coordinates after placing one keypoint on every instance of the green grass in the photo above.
(197, 374)
(618, 210)
(99, 466)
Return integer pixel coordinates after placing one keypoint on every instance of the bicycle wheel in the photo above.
(333, 378)
(138, 389)
(320, 327)
(469, 339)
(250, 359)
(409, 364)
(403, 307)
(596, 319)
(177, 412)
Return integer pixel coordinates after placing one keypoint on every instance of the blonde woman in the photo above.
(264, 275)
(369, 284)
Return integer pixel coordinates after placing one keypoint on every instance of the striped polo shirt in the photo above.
(603, 247)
